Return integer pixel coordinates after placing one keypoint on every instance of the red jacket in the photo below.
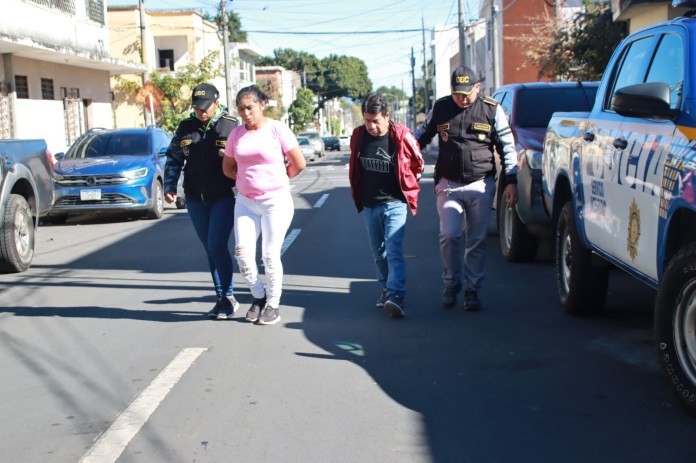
(409, 163)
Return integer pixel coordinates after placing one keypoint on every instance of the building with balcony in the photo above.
(55, 70)
(172, 39)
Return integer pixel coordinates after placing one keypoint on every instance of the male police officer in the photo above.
(469, 127)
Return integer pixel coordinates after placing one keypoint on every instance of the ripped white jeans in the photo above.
(271, 219)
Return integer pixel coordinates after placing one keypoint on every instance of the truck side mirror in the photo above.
(647, 100)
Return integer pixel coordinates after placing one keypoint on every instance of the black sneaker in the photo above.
(256, 305)
(229, 308)
(220, 306)
(382, 299)
(471, 301)
(269, 316)
(395, 306)
(449, 295)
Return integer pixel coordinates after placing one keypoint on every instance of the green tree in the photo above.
(331, 77)
(234, 26)
(176, 89)
(578, 49)
(302, 110)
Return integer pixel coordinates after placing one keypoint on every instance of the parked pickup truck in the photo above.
(26, 194)
(529, 107)
(620, 183)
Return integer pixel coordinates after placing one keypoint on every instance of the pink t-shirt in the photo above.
(260, 160)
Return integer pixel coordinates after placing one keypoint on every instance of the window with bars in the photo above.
(47, 92)
(22, 86)
(95, 10)
(66, 6)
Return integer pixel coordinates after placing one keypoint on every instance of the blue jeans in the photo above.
(386, 225)
(213, 222)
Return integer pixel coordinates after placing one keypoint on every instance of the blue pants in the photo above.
(386, 225)
(213, 222)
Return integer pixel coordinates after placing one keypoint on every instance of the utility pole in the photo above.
(226, 48)
(425, 71)
(143, 54)
(494, 45)
(413, 83)
(462, 35)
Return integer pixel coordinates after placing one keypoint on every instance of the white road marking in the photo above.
(294, 233)
(111, 444)
(321, 201)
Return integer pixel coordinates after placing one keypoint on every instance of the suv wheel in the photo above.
(16, 236)
(516, 243)
(156, 211)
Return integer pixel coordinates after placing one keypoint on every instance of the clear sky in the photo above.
(381, 33)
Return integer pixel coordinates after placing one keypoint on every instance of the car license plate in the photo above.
(90, 195)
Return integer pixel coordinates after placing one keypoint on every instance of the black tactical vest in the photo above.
(465, 139)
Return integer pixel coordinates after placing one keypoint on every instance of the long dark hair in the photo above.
(254, 91)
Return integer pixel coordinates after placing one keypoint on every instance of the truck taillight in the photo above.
(51, 160)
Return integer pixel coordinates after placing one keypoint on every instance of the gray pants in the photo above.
(464, 207)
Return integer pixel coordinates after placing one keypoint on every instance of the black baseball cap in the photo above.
(204, 95)
(463, 80)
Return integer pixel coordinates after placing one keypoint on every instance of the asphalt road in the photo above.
(106, 354)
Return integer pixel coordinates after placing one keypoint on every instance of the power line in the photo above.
(335, 32)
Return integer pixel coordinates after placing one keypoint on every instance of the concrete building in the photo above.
(173, 39)
(281, 85)
(55, 70)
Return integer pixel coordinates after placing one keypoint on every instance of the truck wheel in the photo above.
(16, 236)
(675, 325)
(516, 243)
(157, 209)
(582, 287)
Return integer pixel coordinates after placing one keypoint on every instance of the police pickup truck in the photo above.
(620, 184)
(26, 194)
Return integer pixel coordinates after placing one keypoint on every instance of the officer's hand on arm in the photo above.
(229, 167)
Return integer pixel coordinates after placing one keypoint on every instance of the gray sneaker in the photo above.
(449, 295)
(395, 306)
(256, 305)
(269, 316)
(382, 299)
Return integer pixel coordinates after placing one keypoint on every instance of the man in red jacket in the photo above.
(385, 166)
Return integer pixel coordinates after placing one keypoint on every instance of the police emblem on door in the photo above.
(633, 230)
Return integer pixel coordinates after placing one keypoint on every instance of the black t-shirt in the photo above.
(379, 181)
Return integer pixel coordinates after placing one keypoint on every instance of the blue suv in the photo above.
(111, 170)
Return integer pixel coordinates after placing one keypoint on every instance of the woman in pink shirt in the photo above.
(255, 156)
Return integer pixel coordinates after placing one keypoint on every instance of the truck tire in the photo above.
(16, 236)
(157, 209)
(675, 325)
(582, 287)
(516, 243)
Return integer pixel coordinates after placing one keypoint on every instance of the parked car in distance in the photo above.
(307, 148)
(529, 107)
(114, 170)
(317, 142)
(344, 142)
(332, 143)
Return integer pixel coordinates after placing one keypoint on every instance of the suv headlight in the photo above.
(135, 173)
(533, 159)
(57, 177)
